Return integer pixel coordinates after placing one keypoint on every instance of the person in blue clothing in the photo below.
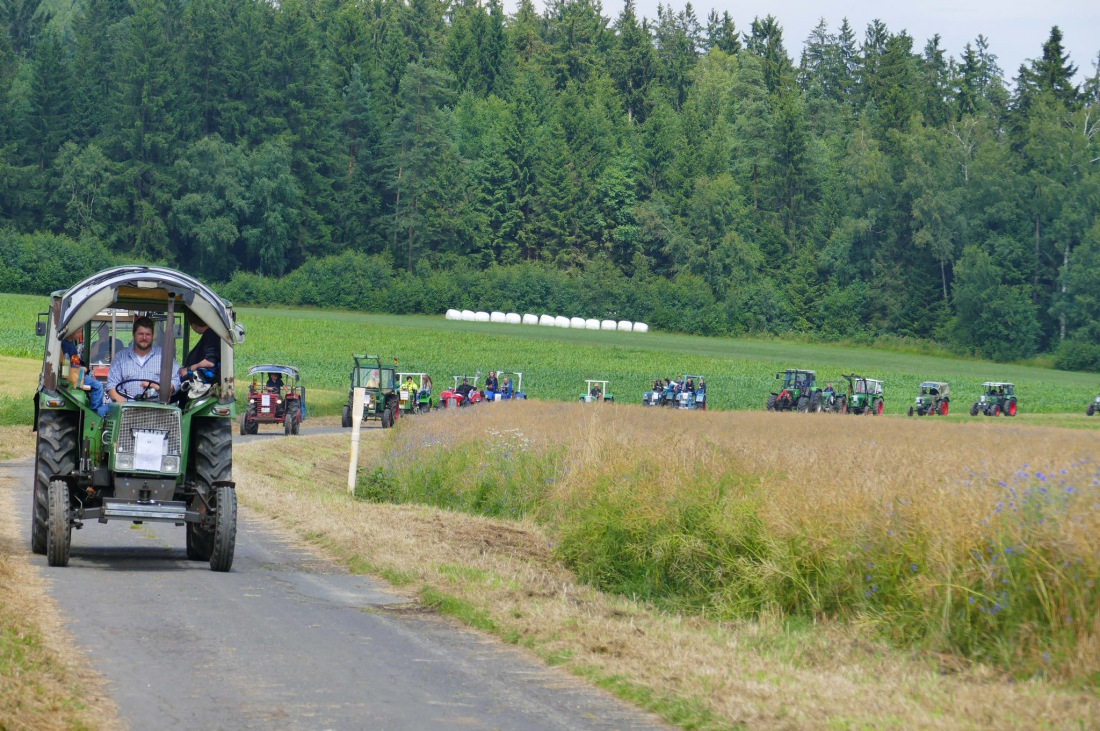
(71, 349)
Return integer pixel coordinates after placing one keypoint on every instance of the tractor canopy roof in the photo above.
(696, 378)
(997, 384)
(402, 375)
(795, 370)
(589, 381)
(289, 371)
(145, 288)
(936, 388)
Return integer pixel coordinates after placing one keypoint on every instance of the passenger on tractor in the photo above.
(491, 384)
(101, 351)
(201, 364)
(135, 371)
(85, 380)
(426, 386)
(506, 389)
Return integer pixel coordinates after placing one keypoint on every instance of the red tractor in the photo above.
(275, 396)
(464, 392)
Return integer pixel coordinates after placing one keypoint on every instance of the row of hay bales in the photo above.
(579, 323)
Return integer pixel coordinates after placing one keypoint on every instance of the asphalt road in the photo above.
(288, 640)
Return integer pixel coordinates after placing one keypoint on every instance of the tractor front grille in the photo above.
(136, 418)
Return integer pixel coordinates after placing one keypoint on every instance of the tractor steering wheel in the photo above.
(142, 397)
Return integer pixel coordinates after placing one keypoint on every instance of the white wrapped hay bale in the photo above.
(481, 316)
(530, 319)
(560, 321)
(609, 325)
(592, 324)
(496, 317)
(512, 318)
(546, 320)
(625, 326)
(468, 315)
(577, 322)
(641, 327)
(454, 315)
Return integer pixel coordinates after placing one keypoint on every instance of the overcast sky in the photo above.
(1016, 30)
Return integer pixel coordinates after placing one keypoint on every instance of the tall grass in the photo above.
(957, 538)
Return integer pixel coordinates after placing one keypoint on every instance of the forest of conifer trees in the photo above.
(877, 185)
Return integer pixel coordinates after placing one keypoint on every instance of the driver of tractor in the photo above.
(596, 392)
(829, 391)
(86, 381)
(373, 378)
(491, 383)
(464, 389)
(274, 383)
(135, 371)
(506, 389)
(410, 386)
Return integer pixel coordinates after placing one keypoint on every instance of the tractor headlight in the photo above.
(124, 461)
(171, 463)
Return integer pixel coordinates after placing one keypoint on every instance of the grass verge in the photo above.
(696, 671)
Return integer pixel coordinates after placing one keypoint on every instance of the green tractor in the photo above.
(1093, 407)
(998, 397)
(380, 400)
(148, 459)
(414, 392)
(934, 398)
(865, 395)
(799, 392)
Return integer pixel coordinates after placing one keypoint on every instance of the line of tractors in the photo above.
(800, 391)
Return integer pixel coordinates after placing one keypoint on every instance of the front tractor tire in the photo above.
(910, 410)
(816, 403)
(345, 417)
(59, 533)
(944, 408)
(55, 454)
(803, 404)
(974, 410)
(771, 402)
(1010, 408)
(289, 422)
(212, 462)
(879, 407)
(1090, 410)
(225, 529)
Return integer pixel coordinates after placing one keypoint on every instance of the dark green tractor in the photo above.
(998, 397)
(799, 392)
(381, 400)
(865, 395)
(148, 459)
(1093, 407)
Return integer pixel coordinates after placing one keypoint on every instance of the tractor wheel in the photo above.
(996, 410)
(842, 404)
(297, 419)
(1010, 408)
(225, 529)
(211, 461)
(55, 454)
(816, 404)
(59, 533)
(244, 424)
(387, 418)
(288, 422)
(974, 410)
(771, 402)
(944, 408)
(1091, 409)
(803, 404)
(910, 410)
(345, 417)
(880, 407)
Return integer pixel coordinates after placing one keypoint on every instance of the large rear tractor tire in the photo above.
(225, 529)
(816, 402)
(55, 454)
(771, 402)
(211, 462)
(842, 404)
(60, 528)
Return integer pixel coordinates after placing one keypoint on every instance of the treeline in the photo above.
(438, 149)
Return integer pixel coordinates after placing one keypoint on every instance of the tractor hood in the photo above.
(141, 286)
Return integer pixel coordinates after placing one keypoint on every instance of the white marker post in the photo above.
(356, 427)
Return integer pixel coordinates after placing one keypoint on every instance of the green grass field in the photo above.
(555, 362)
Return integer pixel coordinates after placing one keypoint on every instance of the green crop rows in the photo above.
(555, 362)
